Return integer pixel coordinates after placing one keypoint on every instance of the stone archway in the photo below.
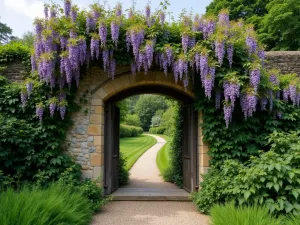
(85, 140)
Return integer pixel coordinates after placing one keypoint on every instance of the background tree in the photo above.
(146, 107)
(5, 34)
(132, 120)
(27, 39)
(252, 11)
(280, 28)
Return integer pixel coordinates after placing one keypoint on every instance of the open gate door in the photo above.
(189, 156)
(112, 153)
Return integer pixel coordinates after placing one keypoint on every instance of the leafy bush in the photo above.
(157, 130)
(53, 205)
(123, 171)
(130, 131)
(213, 187)
(246, 215)
(174, 173)
(26, 145)
(243, 138)
(132, 120)
(15, 51)
(88, 188)
(271, 180)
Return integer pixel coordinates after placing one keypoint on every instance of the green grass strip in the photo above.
(132, 148)
(163, 156)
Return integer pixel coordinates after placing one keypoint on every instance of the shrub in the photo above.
(123, 171)
(174, 172)
(246, 215)
(53, 205)
(157, 130)
(88, 188)
(130, 131)
(213, 186)
(133, 120)
(271, 180)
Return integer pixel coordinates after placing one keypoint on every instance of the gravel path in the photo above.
(154, 213)
(144, 173)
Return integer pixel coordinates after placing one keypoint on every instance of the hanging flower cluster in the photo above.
(206, 46)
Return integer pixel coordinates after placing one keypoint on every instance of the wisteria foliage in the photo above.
(69, 38)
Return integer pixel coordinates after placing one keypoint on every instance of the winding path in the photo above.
(145, 178)
(145, 173)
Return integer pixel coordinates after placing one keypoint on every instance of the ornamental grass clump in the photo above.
(52, 206)
(229, 214)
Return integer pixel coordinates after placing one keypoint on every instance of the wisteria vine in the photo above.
(61, 51)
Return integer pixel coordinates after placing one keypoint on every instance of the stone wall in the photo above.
(14, 71)
(286, 62)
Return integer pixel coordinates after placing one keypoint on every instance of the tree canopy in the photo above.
(146, 107)
(251, 11)
(5, 33)
(276, 21)
(280, 27)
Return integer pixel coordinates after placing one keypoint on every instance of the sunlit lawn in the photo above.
(163, 158)
(132, 148)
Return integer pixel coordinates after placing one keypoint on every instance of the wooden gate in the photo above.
(189, 156)
(111, 134)
(112, 144)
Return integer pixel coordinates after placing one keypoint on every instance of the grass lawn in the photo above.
(163, 158)
(132, 148)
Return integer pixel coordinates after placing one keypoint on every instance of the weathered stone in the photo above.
(81, 129)
(74, 140)
(84, 145)
(90, 138)
(98, 173)
(87, 174)
(94, 130)
(96, 159)
(92, 149)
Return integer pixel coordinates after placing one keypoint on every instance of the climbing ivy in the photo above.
(243, 138)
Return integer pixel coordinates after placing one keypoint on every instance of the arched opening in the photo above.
(189, 137)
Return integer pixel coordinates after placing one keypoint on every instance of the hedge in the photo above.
(130, 131)
(157, 130)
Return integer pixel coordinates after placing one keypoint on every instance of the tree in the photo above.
(133, 120)
(28, 39)
(252, 11)
(146, 107)
(280, 28)
(5, 34)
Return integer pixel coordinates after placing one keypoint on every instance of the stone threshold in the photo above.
(151, 194)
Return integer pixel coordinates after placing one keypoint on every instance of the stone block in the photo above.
(99, 109)
(204, 160)
(101, 93)
(96, 159)
(97, 101)
(96, 119)
(98, 173)
(204, 149)
(98, 140)
(109, 88)
(86, 174)
(94, 129)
